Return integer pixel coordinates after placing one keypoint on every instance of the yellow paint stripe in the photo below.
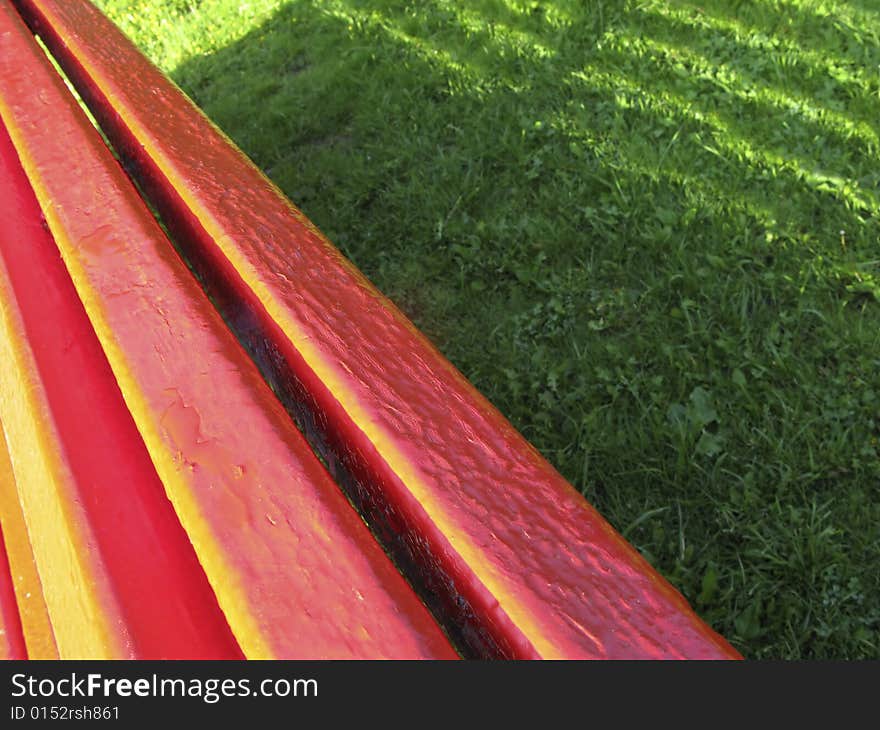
(38, 634)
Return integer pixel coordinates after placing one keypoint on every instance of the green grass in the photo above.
(647, 231)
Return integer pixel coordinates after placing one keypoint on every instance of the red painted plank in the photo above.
(512, 554)
(293, 566)
(120, 577)
(12, 644)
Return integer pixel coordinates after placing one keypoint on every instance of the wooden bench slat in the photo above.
(294, 568)
(77, 584)
(118, 573)
(39, 637)
(511, 554)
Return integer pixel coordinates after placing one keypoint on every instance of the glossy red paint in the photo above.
(508, 553)
(294, 568)
(12, 644)
(132, 546)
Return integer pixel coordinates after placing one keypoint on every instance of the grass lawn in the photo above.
(648, 231)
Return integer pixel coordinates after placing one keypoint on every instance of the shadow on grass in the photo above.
(869, 10)
(648, 239)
